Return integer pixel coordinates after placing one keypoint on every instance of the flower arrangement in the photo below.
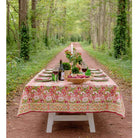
(75, 57)
(68, 55)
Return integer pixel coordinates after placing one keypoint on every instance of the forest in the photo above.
(38, 29)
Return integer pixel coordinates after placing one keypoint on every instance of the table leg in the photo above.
(91, 122)
(50, 122)
(53, 117)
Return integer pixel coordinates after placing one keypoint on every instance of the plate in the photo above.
(99, 79)
(43, 79)
(47, 72)
(96, 72)
(45, 75)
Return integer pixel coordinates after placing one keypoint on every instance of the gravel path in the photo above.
(108, 125)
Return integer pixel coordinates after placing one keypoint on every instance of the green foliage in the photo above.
(88, 72)
(110, 52)
(24, 51)
(74, 38)
(75, 70)
(20, 71)
(103, 47)
(66, 66)
(122, 68)
(79, 60)
(120, 30)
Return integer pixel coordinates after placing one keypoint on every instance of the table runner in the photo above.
(64, 96)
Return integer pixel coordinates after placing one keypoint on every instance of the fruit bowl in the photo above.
(78, 79)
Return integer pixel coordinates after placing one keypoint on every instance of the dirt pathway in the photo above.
(108, 125)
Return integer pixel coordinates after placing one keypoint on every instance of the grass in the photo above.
(21, 72)
(121, 68)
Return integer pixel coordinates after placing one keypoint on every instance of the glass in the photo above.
(84, 69)
(55, 72)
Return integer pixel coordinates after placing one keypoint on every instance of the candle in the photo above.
(71, 48)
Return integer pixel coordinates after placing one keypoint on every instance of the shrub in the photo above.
(75, 70)
(66, 66)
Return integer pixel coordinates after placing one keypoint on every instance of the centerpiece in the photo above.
(74, 57)
(75, 75)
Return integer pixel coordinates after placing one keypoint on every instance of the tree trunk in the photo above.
(64, 24)
(48, 21)
(34, 14)
(128, 20)
(114, 9)
(8, 18)
(93, 27)
(109, 27)
(99, 23)
(103, 23)
(120, 30)
(33, 23)
(23, 28)
(22, 12)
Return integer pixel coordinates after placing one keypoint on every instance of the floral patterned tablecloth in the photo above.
(64, 96)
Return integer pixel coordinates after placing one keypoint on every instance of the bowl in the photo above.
(78, 80)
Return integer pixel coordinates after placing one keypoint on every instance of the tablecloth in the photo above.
(64, 96)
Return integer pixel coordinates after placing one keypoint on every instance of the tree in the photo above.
(54, 22)
(33, 19)
(93, 25)
(48, 23)
(120, 30)
(24, 31)
(33, 23)
(23, 5)
(8, 19)
(128, 22)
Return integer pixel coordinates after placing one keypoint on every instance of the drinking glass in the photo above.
(55, 71)
(84, 69)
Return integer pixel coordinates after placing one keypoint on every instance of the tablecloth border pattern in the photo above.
(55, 107)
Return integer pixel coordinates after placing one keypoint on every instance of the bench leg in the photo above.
(91, 122)
(50, 122)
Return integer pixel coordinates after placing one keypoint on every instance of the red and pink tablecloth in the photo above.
(63, 96)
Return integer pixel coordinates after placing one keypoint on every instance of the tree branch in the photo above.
(13, 7)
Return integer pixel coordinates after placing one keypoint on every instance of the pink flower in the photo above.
(60, 99)
(72, 99)
(36, 97)
(85, 99)
(97, 99)
(48, 98)
(109, 98)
